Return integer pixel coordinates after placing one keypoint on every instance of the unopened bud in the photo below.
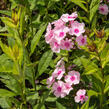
(92, 47)
(100, 34)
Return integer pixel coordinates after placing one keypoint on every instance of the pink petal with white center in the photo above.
(61, 33)
(66, 44)
(58, 89)
(76, 28)
(73, 77)
(58, 72)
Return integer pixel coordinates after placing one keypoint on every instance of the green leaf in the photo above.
(11, 83)
(51, 99)
(33, 4)
(38, 106)
(2, 29)
(44, 62)
(6, 65)
(106, 89)
(5, 103)
(7, 50)
(91, 68)
(93, 8)
(36, 38)
(5, 12)
(60, 106)
(92, 92)
(80, 4)
(32, 96)
(22, 20)
(6, 93)
(104, 55)
(9, 22)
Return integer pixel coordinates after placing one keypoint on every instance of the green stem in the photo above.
(102, 85)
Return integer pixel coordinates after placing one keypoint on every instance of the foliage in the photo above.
(26, 61)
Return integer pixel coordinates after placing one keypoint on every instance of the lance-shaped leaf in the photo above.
(37, 37)
(6, 65)
(9, 22)
(11, 83)
(6, 93)
(7, 50)
(60, 106)
(80, 4)
(44, 62)
(93, 8)
(91, 68)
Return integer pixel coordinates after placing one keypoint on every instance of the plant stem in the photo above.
(102, 85)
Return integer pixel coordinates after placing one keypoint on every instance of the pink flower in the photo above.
(49, 34)
(73, 77)
(103, 9)
(76, 28)
(80, 96)
(58, 23)
(58, 73)
(67, 17)
(59, 89)
(60, 63)
(107, 0)
(66, 44)
(61, 33)
(81, 40)
(55, 46)
(50, 81)
(68, 88)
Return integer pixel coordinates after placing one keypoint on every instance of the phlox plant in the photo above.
(54, 54)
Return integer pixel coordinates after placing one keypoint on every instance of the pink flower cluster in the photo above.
(62, 84)
(60, 36)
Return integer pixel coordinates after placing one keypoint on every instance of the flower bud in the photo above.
(100, 34)
(92, 47)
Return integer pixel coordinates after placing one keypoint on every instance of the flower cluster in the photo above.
(103, 8)
(62, 84)
(59, 34)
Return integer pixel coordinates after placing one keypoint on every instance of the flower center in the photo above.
(82, 97)
(67, 44)
(76, 31)
(102, 9)
(59, 89)
(70, 17)
(56, 44)
(82, 40)
(72, 78)
(67, 87)
(61, 34)
(59, 72)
